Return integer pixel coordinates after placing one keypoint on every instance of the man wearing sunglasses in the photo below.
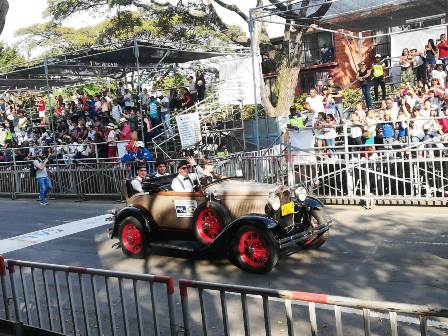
(186, 181)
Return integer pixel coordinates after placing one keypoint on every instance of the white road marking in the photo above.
(416, 243)
(55, 232)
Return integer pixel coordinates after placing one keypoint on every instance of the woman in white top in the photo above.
(440, 74)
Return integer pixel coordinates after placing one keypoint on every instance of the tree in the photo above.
(177, 20)
(9, 57)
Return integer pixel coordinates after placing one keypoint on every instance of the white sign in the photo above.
(185, 208)
(189, 129)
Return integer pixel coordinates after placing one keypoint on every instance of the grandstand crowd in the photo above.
(415, 111)
(90, 126)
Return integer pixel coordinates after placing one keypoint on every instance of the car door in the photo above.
(175, 210)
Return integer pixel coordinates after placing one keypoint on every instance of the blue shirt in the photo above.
(153, 111)
(388, 130)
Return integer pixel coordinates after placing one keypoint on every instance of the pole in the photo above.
(254, 77)
(49, 100)
(360, 47)
(140, 93)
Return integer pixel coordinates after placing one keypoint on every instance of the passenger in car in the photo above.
(161, 168)
(137, 181)
(186, 181)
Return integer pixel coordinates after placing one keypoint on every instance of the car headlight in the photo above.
(300, 193)
(274, 202)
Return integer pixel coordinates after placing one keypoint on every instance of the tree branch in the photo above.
(233, 8)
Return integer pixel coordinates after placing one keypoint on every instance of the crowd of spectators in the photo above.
(414, 112)
(90, 126)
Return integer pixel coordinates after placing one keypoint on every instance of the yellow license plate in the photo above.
(287, 209)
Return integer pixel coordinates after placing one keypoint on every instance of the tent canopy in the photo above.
(362, 15)
(113, 61)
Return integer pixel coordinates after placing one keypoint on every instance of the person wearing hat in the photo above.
(142, 154)
(378, 67)
(125, 134)
(439, 73)
(161, 168)
(186, 181)
(137, 181)
(111, 140)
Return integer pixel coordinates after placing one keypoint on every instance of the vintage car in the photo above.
(250, 223)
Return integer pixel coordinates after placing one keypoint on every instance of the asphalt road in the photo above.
(387, 253)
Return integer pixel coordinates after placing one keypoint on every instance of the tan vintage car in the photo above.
(250, 223)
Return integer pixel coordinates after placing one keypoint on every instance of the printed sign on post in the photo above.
(189, 129)
(185, 208)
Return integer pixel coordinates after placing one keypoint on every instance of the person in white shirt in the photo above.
(161, 168)
(315, 101)
(137, 181)
(439, 73)
(128, 99)
(117, 111)
(185, 181)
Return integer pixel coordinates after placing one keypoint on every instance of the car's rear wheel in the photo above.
(209, 220)
(317, 218)
(133, 238)
(254, 250)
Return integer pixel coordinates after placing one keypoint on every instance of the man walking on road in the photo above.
(43, 181)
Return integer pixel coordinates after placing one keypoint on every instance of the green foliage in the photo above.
(9, 56)
(248, 112)
(351, 97)
(165, 83)
(299, 102)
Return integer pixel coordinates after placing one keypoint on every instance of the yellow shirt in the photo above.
(378, 70)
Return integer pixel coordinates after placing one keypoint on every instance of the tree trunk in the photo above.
(287, 78)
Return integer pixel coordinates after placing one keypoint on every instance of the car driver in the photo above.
(161, 168)
(185, 181)
(137, 181)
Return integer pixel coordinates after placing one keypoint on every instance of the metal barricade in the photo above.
(334, 307)
(86, 301)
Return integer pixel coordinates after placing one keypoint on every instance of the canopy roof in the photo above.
(113, 61)
(362, 15)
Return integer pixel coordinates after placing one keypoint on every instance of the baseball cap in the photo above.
(139, 144)
(378, 55)
(122, 120)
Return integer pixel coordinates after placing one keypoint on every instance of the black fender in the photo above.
(222, 242)
(141, 214)
(313, 203)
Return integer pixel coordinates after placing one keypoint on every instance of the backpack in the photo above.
(32, 169)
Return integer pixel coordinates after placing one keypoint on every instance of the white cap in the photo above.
(378, 55)
(139, 144)
(122, 120)
(439, 62)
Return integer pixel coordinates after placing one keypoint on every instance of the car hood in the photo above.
(233, 187)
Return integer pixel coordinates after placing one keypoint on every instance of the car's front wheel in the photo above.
(254, 250)
(317, 219)
(133, 238)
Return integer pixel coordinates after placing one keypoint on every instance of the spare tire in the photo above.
(209, 220)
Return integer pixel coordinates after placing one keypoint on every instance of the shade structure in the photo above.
(112, 60)
(359, 15)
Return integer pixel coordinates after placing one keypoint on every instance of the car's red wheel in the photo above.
(132, 238)
(254, 250)
(209, 220)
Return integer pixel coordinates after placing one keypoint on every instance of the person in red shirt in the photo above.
(444, 122)
(442, 46)
(126, 130)
(41, 107)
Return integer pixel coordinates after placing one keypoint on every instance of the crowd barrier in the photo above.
(85, 301)
(414, 175)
